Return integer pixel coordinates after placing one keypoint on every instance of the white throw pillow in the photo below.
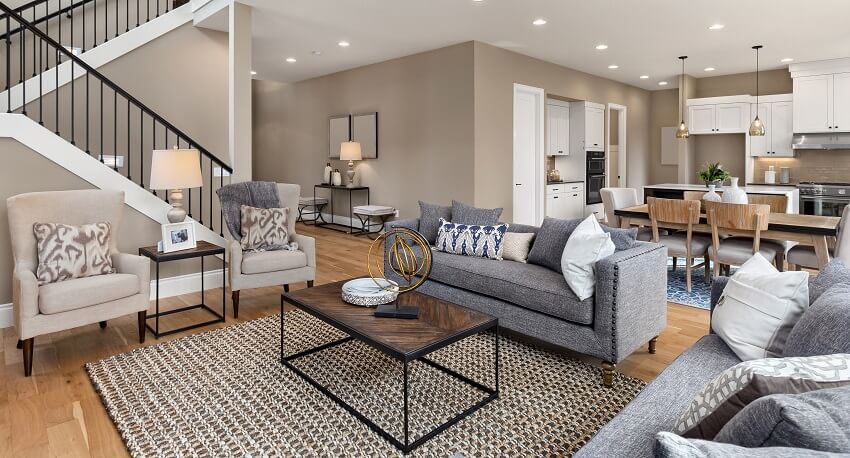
(758, 308)
(587, 244)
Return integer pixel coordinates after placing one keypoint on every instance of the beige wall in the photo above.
(770, 82)
(496, 70)
(664, 113)
(728, 149)
(425, 128)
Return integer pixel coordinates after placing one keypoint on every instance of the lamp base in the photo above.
(350, 174)
(176, 214)
(393, 310)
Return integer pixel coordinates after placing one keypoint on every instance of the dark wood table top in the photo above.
(440, 323)
(349, 188)
(203, 248)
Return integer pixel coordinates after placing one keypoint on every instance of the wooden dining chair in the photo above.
(695, 195)
(617, 198)
(804, 256)
(683, 243)
(778, 204)
(746, 223)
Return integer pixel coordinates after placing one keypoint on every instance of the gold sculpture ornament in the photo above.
(409, 258)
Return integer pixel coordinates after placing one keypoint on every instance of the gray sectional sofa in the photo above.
(628, 310)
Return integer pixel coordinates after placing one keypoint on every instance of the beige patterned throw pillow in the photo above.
(516, 245)
(264, 229)
(66, 252)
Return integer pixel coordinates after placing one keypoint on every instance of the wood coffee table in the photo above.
(439, 325)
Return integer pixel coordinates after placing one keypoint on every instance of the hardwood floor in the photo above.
(56, 412)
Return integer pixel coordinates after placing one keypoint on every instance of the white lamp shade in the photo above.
(176, 169)
(350, 151)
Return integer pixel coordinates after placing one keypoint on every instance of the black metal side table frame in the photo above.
(405, 445)
(202, 250)
(351, 190)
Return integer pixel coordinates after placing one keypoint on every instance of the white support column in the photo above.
(240, 124)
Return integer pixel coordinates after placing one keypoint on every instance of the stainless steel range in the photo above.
(826, 199)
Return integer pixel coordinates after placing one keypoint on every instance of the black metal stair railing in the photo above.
(99, 117)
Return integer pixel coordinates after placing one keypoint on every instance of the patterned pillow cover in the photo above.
(743, 383)
(470, 240)
(66, 252)
(264, 229)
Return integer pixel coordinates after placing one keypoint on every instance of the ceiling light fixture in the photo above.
(601, 46)
(662, 83)
(716, 26)
(787, 59)
(539, 21)
(316, 53)
(344, 44)
(757, 127)
(253, 73)
(613, 67)
(644, 77)
(682, 131)
(291, 60)
(709, 69)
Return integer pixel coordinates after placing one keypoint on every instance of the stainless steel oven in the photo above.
(824, 199)
(595, 176)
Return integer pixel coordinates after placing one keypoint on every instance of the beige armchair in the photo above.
(63, 305)
(271, 268)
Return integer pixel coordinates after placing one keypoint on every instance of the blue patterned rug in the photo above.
(677, 291)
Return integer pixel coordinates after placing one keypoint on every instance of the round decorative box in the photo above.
(368, 292)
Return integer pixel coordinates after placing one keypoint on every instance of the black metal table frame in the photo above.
(332, 225)
(219, 317)
(407, 446)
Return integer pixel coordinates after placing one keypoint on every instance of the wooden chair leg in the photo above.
(20, 344)
(674, 263)
(707, 269)
(716, 268)
(102, 325)
(285, 288)
(796, 267)
(27, 346)
(608, 370)
(309, 283)
(780, 261)
(688, 272)
(652, 344)
(143, 318)
(236, 304)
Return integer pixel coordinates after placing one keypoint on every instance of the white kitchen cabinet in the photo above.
(701, 119)
(595, 128)
(718, 118)
(565, 200)
(559, 129)
(587, 126)
(813, 104)
(841, 102)
(778, 126)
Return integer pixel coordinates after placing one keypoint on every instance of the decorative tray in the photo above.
(366, 292)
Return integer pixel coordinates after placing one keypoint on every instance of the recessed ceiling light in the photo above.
(316, 53)
(613, 67)
(291, 60)
(601, 46)
(662, 83)
(709, 69)
(344, 44)
(787, 59)
(716, 26)
(644, 77)
(253, 72)
(539, 21)
(477, 1)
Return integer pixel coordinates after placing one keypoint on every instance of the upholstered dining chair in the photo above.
(683, 243)
(261, 269)
(53, 307)
(745, 222)
(804, 256)
(617, 198)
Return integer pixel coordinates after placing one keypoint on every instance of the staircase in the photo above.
(58, 104)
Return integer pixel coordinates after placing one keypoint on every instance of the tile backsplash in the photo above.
(809, 165)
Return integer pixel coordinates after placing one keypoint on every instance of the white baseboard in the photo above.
(169, 287)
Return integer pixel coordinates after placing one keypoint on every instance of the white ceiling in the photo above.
(644, 37)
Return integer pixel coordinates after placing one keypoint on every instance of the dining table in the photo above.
(810, 230)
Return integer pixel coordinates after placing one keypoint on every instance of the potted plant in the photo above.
(713, 174)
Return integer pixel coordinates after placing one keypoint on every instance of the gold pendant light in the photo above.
(757, 127)
(682, 131)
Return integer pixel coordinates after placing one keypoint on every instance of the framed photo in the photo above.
(339, 130)
(178, 236)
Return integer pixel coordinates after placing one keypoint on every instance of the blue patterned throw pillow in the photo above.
(471, 240)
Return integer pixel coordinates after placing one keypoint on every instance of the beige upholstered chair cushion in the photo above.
(264, 229)
(66, 252)
(85, 292)
(736, 251)
(272, 261)
(677, 244)
(805, 256)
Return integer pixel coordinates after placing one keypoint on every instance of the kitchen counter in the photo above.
(749, 189)
(564, 182)
(786, 185)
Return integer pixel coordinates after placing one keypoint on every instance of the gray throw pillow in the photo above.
(624, 239)
(834, 273)
(464, 214)
(823, 328)
(669, 445)
(429, 220)
(818, 420)
(550, 241)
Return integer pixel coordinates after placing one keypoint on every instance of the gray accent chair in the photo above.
(628, 310)
(68, 304)
(273, 268)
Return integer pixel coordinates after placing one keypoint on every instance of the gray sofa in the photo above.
(628, 310)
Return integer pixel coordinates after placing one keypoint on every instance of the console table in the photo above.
(351, 192)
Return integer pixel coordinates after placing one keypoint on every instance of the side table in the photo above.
(202, 250)
(351, 191)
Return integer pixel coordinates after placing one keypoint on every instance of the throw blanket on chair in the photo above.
(260, 194)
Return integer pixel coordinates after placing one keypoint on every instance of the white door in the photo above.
(528, 155)
(732, 118)
(760, 146)
(841, 98)
(781, 129)
(594, 135)
(813, 104)
(701, 119)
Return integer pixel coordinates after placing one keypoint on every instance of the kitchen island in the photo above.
(677, 191)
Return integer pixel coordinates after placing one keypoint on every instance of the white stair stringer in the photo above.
(63, 153)
(96, 57)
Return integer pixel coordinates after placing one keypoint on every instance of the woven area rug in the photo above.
(225, 393)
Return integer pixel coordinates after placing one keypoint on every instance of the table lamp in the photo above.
(350, 151)
(176, 169)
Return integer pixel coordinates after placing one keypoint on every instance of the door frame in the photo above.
(539, 149)
(622, 116)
